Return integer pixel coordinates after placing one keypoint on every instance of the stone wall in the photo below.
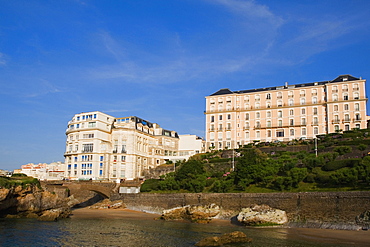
(335, 210)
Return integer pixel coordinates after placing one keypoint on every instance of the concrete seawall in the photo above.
(335, 210)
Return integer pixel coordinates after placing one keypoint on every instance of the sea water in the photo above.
(139, 232)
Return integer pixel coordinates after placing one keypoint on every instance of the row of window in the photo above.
(279, 95)
(86, 117)
(291, 112)
(82, 125)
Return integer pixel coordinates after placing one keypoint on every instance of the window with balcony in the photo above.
(303, 101)
(302, 93)
(314, 100)
(290, 94)
(257, 105)
(346, 118)
(279, 103)
(290, 102)
(257, 97)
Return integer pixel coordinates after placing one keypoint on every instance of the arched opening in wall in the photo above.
(90, 199)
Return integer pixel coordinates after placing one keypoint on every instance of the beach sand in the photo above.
(362, 238)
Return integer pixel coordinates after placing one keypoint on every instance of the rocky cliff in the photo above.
(31, 201)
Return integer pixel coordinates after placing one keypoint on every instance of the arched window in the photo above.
(290, 102)
(335, 97)
(345, 96)
(268, 114)
(279, 95)
(314, 100)
(315, 111)
(280, 113)
(269, 123)
(356, 96)
(280, 103)
(357, 107)
(246, 135)
(303, 101)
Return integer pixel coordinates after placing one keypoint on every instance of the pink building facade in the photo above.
(284, 113)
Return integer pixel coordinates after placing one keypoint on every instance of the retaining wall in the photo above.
(336, 210)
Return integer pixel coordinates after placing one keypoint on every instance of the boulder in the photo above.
(228, 238)
(194, 213)
(258, 215)
(363, 220)
(54, 214)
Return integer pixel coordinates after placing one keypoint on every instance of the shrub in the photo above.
(343, 149)
(338, 164)
(149, 185)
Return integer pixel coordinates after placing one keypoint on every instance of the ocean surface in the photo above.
(138, 232)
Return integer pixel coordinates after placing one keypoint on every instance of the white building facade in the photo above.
(102, 147)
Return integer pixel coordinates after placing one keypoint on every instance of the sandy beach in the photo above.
(324, 235)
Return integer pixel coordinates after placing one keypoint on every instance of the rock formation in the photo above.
(228, 238)
(363, 220)
(194, 213)
(33, 202)
(262, 215)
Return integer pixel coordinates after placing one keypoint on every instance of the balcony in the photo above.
(334, 91)
(356, 88)
(346, 120)
(358, 119)
(335, 121)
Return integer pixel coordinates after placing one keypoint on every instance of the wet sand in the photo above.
(323, 235)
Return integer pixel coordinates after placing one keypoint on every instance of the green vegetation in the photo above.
(18, 179)
(341, 164)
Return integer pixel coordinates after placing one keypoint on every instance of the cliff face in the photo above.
(32, 202)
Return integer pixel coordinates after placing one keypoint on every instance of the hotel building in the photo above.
(283, 113)
(102, 147)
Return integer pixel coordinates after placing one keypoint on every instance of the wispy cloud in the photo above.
(43, 87)
(2, 59)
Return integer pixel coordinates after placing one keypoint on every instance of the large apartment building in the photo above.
(100, 146)
(283, 113)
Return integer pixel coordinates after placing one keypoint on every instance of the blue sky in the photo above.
(158, 59)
